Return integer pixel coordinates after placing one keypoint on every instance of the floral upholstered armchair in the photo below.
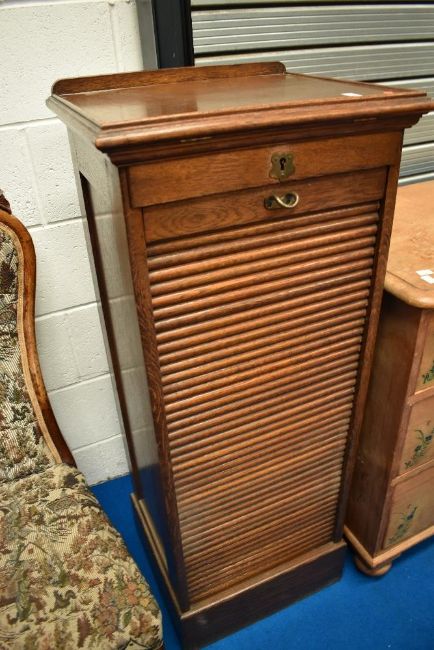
(66, 578)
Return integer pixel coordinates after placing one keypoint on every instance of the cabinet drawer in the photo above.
(228, 171)
(425, 376)
(247, 207)
(412, 508)
(419, 438)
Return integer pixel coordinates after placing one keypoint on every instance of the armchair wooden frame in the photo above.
(26, 333)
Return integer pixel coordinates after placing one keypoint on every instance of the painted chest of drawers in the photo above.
(239, 219)
(391, 505)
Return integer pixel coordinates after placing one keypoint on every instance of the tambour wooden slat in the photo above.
(196, 536)
(295, 473)
(212, 282)
(335, 429)
(243, 544)
(184, 311)
(243, 482)
(194, 438)
(333, 299)
(218, 545)
(308, 537)
(201, 576)
(192, 245)
(223, 551)
(281, 335)
(238, 311)
(256, 464)
(225, 511)
(240, 486)
(331, 450)
(299, 383)
(218, 514)
(311, 292)
(186, 442)
(269, 366)
(243, 441)
(282, 272)
(216, 256)
(279, 377)
(294, 432)
(281, 349)
(307, 315)
(294, 513)
(247, 408)
(185, 436)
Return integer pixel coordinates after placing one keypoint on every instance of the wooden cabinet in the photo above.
(391, 505)
(239, 219)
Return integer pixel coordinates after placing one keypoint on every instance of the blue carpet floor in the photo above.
(357, 613)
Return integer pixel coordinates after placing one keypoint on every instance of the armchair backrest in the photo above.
(30, 440)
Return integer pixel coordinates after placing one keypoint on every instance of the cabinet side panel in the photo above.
(386, 397)
(98, 181)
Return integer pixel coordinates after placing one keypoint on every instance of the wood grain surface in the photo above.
(390, 507)
(243, 459)
(254, 322)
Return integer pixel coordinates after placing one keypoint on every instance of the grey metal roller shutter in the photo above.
(388, 42)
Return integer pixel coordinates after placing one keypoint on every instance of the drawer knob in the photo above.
(275, 202)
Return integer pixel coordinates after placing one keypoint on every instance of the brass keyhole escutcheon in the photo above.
(282, 166)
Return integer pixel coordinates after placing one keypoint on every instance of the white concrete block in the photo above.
(16, 175)
(86, 412)
(45, 42)
(64, 277)
(102, 461)
(53, 169)
(58, 364)
(126, 36)
(87, 341)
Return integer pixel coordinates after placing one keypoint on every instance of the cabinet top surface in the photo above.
(158, 100)
(410, 268)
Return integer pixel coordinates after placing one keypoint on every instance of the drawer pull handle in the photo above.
(287, 201)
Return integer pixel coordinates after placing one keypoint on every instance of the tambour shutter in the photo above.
(388, 42)
(258, 469)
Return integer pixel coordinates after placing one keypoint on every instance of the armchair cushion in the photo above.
(66, 578)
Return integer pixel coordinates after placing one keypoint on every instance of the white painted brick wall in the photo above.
(43, 41)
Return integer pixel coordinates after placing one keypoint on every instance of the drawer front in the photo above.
(412, 507)
(220, 211)
(419, 438)
(175, 180)
(425, 377)
(259, 328)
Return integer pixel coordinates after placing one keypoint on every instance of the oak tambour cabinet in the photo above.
(239, 219)
(391, 505)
